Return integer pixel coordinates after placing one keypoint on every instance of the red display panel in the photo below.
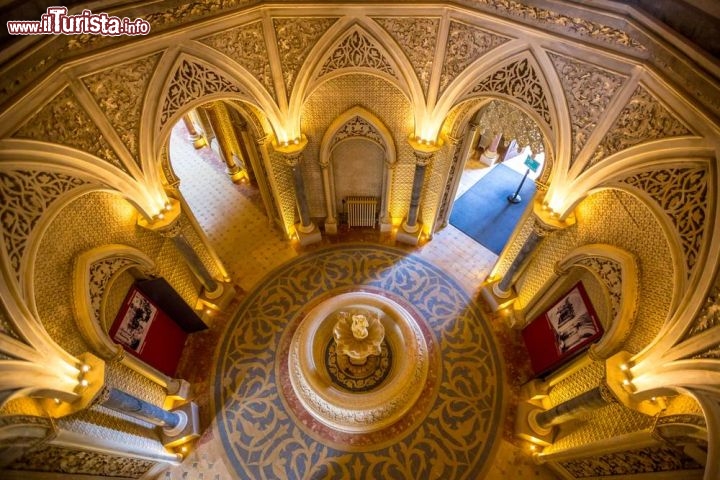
(148, 333)
(563, 331)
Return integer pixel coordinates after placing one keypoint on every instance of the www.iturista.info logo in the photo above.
(57, 22)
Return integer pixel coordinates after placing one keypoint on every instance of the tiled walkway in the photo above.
(232, 216)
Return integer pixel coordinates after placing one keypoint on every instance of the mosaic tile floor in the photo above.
(233, 218)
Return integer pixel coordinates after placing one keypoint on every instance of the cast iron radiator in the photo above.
(361, 211)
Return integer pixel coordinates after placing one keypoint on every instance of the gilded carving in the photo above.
(518, 80)
(170, 177)
(643, 119)
(26, 195)
(358, 127)
(100, 273)
(246, 45)
(465, 44)
(188, 11)
(49, 458)
(588, 91)
(417, 37)
(682, 195)
(7, 329)
(357, 50)
(709, 315)
(64, 121)
(119, 92)
(295, 38)
(646, 460)
(566, 23)
(190, 81)
(610, 273)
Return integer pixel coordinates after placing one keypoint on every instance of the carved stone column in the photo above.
(331, 218)
(411, 229)
(178, 426)
(500, 294)
(195, 136)
(216, 293)
(456, 146)
(385, 217)
(229, 150)
(490, 155)
(306, 230)
(538, 426)
(207, 133)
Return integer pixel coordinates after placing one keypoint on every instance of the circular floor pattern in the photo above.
(448, 434)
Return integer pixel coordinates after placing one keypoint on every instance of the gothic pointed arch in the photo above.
(362, 46)
(357, 122)
(517, 79)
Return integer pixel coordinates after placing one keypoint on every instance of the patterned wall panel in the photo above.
(519, 80)
(246, 45)
(286, 186)
(632, 462)
(682, 193)
(417, 38)
(75, 462)
(616, 218)
(119, 92)
(26, 195)
(296, 37)
(643, 119)
(465, 44)
(113, 221)
(340, 94)
(588, 91)
(63, 120)
(434, 186)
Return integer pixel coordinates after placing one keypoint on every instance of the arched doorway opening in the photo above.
(215, 154)
(502, 153)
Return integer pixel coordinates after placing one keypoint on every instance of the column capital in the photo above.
(291, 149)
(165, 222)
(424, 151)
(545, 222)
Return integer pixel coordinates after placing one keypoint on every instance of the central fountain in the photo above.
(358, 334)
(358, 362)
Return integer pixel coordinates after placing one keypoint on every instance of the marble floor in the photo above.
(252, 251)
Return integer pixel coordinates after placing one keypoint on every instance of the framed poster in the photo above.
(147, 332)
(564, 330)
(132, 331)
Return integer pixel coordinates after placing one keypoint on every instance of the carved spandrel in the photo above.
(296, 37)
(588, 91)
(417, 37)
(246, 45)
(643, 119)
(465, 44)
(119, 92)
(65, 122)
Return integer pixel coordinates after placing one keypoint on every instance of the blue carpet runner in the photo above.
(484, 213)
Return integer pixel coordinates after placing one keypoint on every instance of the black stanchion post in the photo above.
(515, 197)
